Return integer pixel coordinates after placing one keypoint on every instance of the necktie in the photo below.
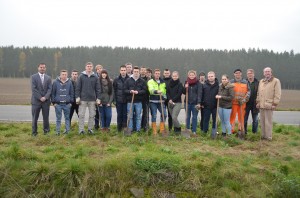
(42, 78)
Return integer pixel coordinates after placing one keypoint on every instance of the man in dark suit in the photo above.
(41, 85)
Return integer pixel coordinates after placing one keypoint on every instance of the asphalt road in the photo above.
(22, 113)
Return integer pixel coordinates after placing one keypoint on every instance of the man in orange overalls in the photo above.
(241, 96)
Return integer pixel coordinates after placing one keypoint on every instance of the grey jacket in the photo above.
(87, 87)
(40, 90)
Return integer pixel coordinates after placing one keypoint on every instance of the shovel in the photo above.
(164, 132)
(186, 132)
(241, 133)
(127, 131)
(215, 131)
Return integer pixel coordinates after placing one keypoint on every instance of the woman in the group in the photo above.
(174, 92)
(194, 99)
(225, 97)
(106, 98)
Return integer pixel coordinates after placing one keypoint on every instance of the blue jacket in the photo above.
(62, 93)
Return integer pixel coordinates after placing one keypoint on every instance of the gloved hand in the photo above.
(241, 101)
(77, 100)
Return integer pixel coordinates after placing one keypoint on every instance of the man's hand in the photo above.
(98, 102)
(273, 107)
(159, 91)
(77, 100)
(43, 99)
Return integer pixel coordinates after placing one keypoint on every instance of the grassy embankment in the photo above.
(108, 165)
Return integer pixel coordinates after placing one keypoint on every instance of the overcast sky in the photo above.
(209, 24)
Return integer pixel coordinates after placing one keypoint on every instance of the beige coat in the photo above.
(269, 93)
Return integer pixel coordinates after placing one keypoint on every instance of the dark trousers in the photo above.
(201, 119)
(121, 115)
(206, 117)
(74, 108)
(254, 119)
(97, 119)
(170, 121)
(35, 110)
(145, 116)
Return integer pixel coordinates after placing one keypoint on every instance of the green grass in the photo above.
(109, 165)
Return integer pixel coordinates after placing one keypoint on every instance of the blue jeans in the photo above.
(137, 109)
(59, 108)
(121, 114)
(105, 113)
(206, 117)
(153, 108)
(192, 110)
(254, 119)
(224, 115)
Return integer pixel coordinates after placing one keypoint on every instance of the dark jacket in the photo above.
(105, 96)
(40, 90)
(195, 93)
(62, 93)
(227, 94)
(251, 104)
(137, 85)
(147, 95)
(87, 87)
(209, 94)
(174, 90)
(119, 87)
(74, 89)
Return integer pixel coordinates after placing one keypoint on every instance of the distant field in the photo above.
(17, 91)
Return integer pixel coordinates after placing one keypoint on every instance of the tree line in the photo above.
(23, 61)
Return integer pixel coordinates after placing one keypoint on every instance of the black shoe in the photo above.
(58, 134)
(46, 132)
(81, 133)
(66, 132)
(34, 134)
(90, 131)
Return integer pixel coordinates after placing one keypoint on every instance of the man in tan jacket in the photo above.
(268, 97)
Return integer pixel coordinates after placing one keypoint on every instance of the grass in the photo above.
(109, 165)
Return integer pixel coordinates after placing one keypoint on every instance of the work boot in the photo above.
(154, 130)
(162, 127)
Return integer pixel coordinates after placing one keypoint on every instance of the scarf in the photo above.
(104, 82)
(192, 81)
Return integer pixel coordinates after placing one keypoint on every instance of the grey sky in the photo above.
(213, 24)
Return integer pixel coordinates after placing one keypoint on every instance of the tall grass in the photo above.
(109, 165)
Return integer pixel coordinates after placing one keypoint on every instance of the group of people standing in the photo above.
(139, 90)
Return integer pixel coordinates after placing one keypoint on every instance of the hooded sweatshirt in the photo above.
(87, 87)
(62, 92)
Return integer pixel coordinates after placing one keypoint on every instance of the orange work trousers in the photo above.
(240, 110)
